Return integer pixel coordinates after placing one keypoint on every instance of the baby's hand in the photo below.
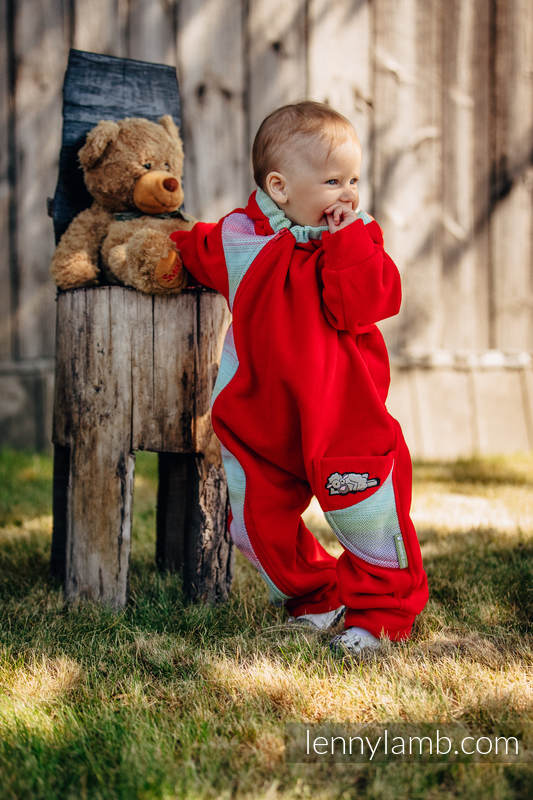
(339, 215)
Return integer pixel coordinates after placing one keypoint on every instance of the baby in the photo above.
(299, 401)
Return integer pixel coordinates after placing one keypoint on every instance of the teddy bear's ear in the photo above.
(170, 126)
(97, 142)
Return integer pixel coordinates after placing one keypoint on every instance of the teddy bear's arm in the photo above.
(75, 261)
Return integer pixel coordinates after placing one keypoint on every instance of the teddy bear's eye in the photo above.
(148, 165)
(167, 165)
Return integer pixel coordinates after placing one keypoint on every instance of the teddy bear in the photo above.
(132, 168)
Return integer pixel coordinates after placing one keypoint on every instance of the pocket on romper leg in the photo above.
(358, 500)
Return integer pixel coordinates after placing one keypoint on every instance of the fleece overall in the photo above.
(299, 409)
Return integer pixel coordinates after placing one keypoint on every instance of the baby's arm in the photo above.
(361, 284)
(202, 254)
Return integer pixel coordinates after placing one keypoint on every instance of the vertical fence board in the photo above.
(5, 192)
(212, 88)
(277, 58)
(512, 217)
(40, 53)
(100, 26)
(151, 31)
(407, 164)
(466, 175)
(346, 85)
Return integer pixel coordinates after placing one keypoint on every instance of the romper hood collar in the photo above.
(269, 218)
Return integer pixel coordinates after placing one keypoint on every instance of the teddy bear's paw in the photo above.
(169, 272)
(74, 272)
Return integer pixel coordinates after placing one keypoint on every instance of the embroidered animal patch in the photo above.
(350, 482)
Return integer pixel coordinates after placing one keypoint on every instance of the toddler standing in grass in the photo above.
(299, 401)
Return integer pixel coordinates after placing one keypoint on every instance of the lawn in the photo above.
(173, 700)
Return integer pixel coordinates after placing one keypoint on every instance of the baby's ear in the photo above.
(97, 142)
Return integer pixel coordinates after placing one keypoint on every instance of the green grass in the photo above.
(172, 700)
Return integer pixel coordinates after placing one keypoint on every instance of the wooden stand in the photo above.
(135, 372)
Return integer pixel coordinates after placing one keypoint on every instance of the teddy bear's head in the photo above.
(134, 164)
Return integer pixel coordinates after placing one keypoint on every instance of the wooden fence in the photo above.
(441, 95)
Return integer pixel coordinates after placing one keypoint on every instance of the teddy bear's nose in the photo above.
(170, 184)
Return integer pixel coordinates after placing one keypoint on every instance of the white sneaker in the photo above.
(320, 622)
(353, 641)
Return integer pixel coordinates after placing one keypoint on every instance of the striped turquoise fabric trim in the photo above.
(237, 491)
(241, 247)
(229, 363)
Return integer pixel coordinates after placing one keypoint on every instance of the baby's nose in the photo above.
(349, 193)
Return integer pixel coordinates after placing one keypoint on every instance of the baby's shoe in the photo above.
(319, 622)
(352, 641)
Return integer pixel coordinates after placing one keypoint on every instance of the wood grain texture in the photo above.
(408, 126)
(101, 26)
(501, 432)
(40, 50)
(511, 224)
(211, 77)
(340, 59)
(151, 31)
(466, 175)
(276, 58)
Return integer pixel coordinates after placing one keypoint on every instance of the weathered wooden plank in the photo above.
(18, 421)
(446, 410)
(101, 464)
(511, 223)
(213, 321)
(151, 33)
(174, 342)
(211, 77)
(100, 26)
(6, 299)
(40, 52)
(407, 125)
(466, 174)
(499, 400)
(277, 58)
(401, 403)
(344, 82)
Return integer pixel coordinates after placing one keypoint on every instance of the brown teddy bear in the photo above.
(132, 169)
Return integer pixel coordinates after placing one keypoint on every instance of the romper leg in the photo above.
(366, 500)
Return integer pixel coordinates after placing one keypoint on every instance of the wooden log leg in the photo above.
(100, 502)
(208, 565)
(59, 511)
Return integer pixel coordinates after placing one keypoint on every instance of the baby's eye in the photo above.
(148, 165)
(332, 181)
(354, 180)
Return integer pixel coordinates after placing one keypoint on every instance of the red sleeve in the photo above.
(202, 254)
(361, 283)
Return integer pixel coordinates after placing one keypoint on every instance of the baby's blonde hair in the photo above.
(305, 119)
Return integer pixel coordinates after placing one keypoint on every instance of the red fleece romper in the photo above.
(299, 409)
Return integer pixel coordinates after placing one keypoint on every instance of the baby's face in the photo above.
(312, 180)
